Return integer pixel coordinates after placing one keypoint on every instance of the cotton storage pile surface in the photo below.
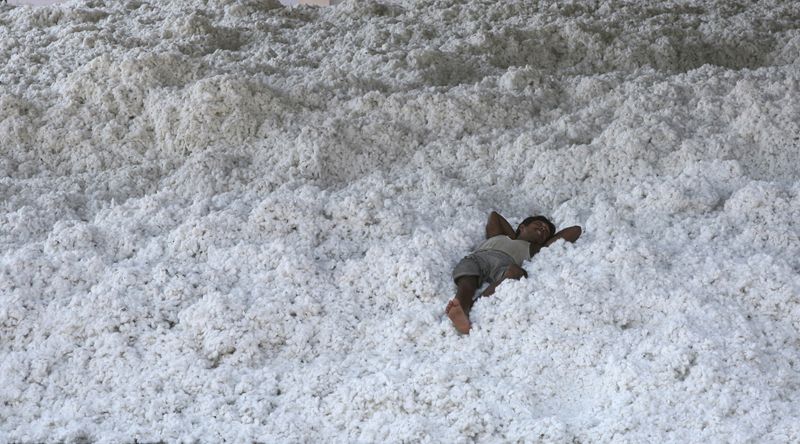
(234, 220)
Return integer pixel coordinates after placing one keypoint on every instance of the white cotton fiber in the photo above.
(237, 221)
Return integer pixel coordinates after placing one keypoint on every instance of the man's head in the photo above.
(536, 229)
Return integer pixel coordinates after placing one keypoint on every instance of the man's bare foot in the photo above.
(458, 316)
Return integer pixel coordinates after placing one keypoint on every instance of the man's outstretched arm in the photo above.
(497, 225)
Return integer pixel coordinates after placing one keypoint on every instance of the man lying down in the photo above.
(498, 258)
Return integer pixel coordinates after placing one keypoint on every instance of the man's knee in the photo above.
(515, 272)
(467, 281)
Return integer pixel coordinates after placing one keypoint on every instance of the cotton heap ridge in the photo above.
(234, 220)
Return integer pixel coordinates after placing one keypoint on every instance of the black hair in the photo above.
(540, 219)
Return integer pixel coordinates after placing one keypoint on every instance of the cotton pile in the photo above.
(236, 220)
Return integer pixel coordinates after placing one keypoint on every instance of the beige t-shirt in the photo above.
(519, 250)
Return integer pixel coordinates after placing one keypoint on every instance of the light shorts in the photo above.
(487, 265)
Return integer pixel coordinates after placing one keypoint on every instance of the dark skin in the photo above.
(539, 236)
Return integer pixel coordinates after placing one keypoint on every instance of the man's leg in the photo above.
(514, 272)
(458, 308)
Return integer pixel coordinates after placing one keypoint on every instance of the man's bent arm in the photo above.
(497, 225)
(569, 234)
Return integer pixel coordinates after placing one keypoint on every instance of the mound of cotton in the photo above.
(231, 220)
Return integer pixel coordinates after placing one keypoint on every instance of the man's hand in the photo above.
(497, 225)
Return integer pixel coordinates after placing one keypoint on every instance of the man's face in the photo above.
(536, 232)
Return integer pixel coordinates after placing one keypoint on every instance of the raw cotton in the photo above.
(234, 220)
